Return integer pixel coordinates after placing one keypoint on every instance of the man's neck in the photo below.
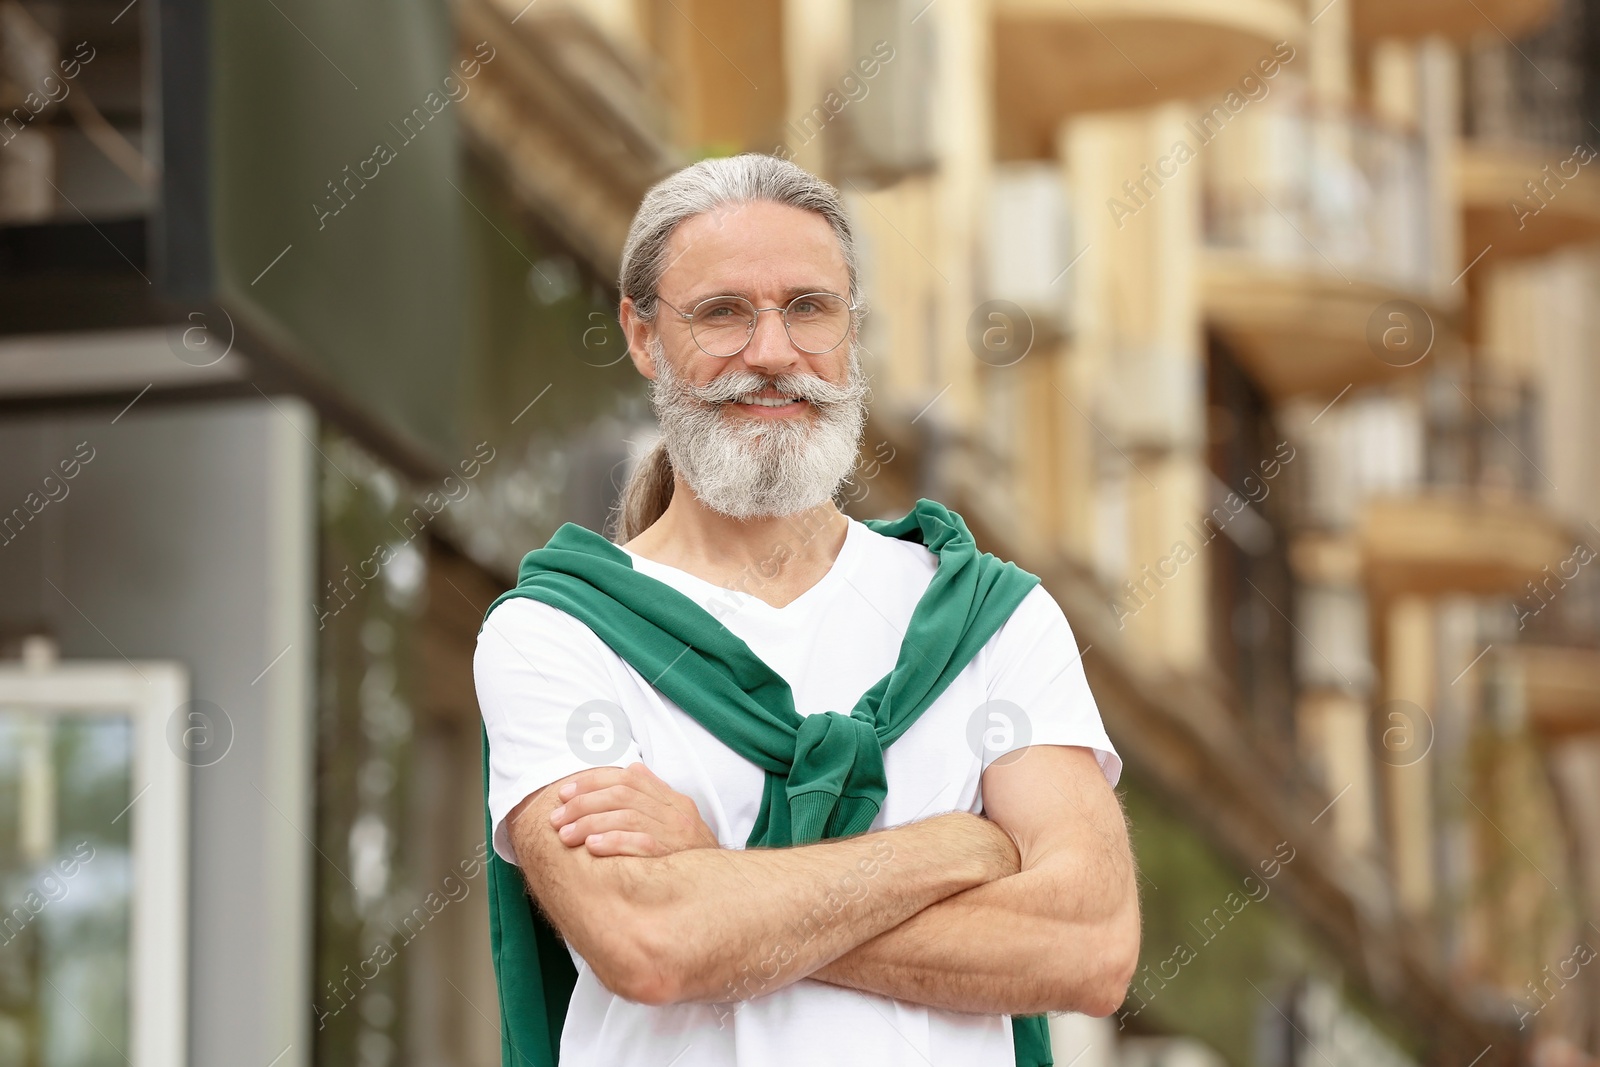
(774, 558)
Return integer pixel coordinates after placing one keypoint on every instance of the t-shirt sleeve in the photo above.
(1037, 692)
(549, 703)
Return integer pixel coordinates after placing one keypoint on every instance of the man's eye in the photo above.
(721, 312)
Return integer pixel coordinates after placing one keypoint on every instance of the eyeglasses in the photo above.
(723, 325)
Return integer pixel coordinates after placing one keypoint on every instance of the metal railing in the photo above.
(1324, 190)
(1533, 91)
(1481, 431)
(1463, 430)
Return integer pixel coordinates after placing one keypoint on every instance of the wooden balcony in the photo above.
(1560, 207)
(1458, 20)
(1314, 219)
(1055, 58)
(1457, 542)
(1305, 332)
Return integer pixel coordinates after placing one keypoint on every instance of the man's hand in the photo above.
(612, 813)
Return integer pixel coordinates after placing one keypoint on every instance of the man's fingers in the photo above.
(672, 817)
(587, 781)
(573, 833)
(611, 798)
(635, 774)
(623, 843)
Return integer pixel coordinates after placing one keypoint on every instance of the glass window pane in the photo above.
(65, 876)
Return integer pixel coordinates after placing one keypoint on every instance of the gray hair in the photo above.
(674, 200)
(708, 185)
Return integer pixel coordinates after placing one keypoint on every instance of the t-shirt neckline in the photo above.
(842, 564)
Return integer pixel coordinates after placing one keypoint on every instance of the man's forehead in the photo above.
(762, 244)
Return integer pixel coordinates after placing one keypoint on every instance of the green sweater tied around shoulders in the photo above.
(824, 772)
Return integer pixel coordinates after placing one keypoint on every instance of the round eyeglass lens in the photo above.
(723, 324)
(817, 322)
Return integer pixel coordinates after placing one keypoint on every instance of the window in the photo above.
(93, 863)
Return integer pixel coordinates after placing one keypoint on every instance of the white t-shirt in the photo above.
(556, 700)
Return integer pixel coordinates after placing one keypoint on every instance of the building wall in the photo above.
(188, 537)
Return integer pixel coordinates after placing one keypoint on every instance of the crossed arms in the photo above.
(1030, 908)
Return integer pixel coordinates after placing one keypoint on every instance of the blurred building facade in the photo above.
(1260, 330)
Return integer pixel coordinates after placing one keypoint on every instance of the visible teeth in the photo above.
(771, 402)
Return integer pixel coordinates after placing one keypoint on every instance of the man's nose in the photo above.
(770, 351)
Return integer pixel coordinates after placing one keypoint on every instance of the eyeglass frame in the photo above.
(688, 316)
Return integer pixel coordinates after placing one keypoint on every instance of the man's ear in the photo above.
(637, 332)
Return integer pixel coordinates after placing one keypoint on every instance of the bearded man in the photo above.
(785, 787)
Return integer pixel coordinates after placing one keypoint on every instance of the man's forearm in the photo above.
(1000, 948)
(1063, 935)
(714, 925)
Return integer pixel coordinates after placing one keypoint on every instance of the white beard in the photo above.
(746, 466)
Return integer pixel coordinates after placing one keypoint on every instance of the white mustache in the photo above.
(736, 385)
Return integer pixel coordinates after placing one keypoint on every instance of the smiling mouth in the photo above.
(768, 399)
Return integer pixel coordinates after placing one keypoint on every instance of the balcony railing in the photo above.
(1509, 91)
(74, 142)
(1481, 432)
(1323, 190)
(1463, 432)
